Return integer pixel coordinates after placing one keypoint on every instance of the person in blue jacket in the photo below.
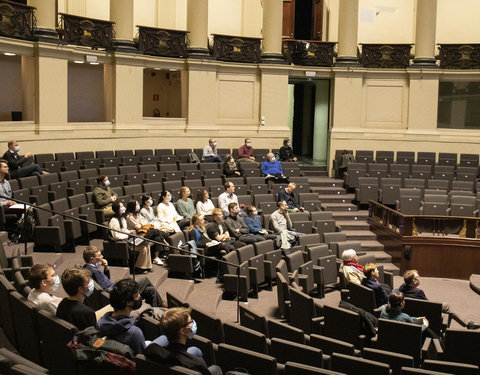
(272, 169)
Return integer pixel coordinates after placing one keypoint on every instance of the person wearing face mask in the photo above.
(245, 152)
(98, 266)
(210, 152)
(282, 224)
(119, 325)
(178, 326)
(121, 232)
(170, 220)
(185, 206)
(286, 151)
(20, 166)
(78, 284)
(45, 282)
(230, 167)
(252, 220)
(143, 228)
(236, 226)
(272, 169)
(104, 196)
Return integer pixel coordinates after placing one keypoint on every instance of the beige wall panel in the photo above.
(389, 21)
(457, 22)
(166, 14)
(274, 101)
(128, 94)
(51, 90)
(385, 103)
(332, 6)
(181, 15)
(423, 102)
(347, 94)
(99, 9)
(236, 99)
(77, 7)
(145, 13)
(10, 86)
(28, 88)
(225, 17)
(252, 18)
(202, 98)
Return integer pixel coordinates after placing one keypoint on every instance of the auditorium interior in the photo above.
(377, 99)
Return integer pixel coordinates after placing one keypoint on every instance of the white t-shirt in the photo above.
(44, 300)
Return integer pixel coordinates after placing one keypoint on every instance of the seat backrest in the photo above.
(431, 310)
(245, 338)
(295, 260)
(285, 331)
(330, 345)
(462, 346)
(395, 360)
(450, 367)
(358, 366)
(14, 360)
(284, 351)
(252, 320)
(208, 326)
(232, 357)
(317, 251)
(309, 239)
(336, 317)
(264, 247)
(293, 368)
(362, 297)
(6, 309)
(302, 310)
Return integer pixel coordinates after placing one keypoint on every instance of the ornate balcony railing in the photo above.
(459, 56)
(236, 48)
(162, 42)
(385, 55)
(16, 20)
(309, 52)
(87, 31)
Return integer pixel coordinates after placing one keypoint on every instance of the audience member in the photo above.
(143, 228)
(119, 325)
(218, 231)
(230, 167)
(120, 231)
(371, 281)
(352, 271)
(252, 220)
(227, 197)
(245, 152)
(104, 196)
(281, 223)
(170, 220)
(272, 169)
(236, 226)
(178, 326)
(44, 282)
(5, 188)
(344, 159)
(94, 262)
(204, 204)
(210, 152)
(78, 284)
(393, 311)
(410, 289)
(288, 195)
(211, 245)
(286, 151)
(185, 206)
(20, 166)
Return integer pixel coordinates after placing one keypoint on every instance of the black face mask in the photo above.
(137, 304)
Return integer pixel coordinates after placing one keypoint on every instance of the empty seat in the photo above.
(377, 170)
(354, 171)
(367, 190)
(409, 201)
(284, 351)
(232, 357)
(245, 338)
(389, 190)
(405, 157)
(469, 160)
(363, 156)
(446, 158)
(384, 157)
(462, 206)
(399, 170)
(423, 171)
(426, 158)
(358, 366)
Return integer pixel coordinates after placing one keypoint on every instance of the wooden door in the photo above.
(288, 29)
(317, 19)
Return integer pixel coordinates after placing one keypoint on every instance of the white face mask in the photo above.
(150, 203)
(137, 208)
(214, 144)
(273, 159)
(249, 145)
(122, 210)
(56, 283)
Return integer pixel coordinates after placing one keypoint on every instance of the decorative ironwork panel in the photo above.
(238, 49)
(309, 52)
(460, 56)
(16, 20)
(87, 31)
(162, 42)
(385, 55)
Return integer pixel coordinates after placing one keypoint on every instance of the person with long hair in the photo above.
(230, 167)
(120, 231)
(204, 204)
(185, 206)
(170, 220)
(286, 151)
(143, 228)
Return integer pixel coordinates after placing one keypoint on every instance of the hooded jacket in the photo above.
(124, 330)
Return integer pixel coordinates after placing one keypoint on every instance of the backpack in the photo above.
(192, 246)
(95, 353)
(193, 157)
(25, 227)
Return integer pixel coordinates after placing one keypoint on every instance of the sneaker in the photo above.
(473, 325)
(158, 261)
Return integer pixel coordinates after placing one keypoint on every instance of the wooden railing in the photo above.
(16, 20)
(162, 42)
(308, 52)
(88, 32)
(459, 56)
(385, 55)
(236, 48)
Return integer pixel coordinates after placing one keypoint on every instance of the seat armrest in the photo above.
(426, 347)
(344, 294)
(388, 278)
(316, 325)
(437, 349)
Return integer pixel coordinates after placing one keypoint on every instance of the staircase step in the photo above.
(178, 287)
(314, 172)
(360, 235)
(339, 207)
(214, 291)
(350, 215)
(331, 198)
(328, 190)
(380, 256)
(324, 181)
(353, 225)
(390, 267)
(372, 245)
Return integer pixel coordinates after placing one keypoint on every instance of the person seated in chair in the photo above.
(104, 196)
(178, 327)
(286, 151)
(119, 325)
(255, 226)
(98, 266)
(281, 223)
(20, 166)
(230, 167)
(288, 195)
(352, 271)
(185, 206)
(410, 289)
(210, 153)
(227, 197)
(272, 169)
(78, 284)
(236, 225)
(371, 281)
(170, 221)
(44, 281)
(246, 154)
(204, 204)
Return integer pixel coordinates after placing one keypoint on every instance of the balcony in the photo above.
(162, 42)
(236, 49)
(391, 56)
(16, 20)
(308, 52)
(459, 56)
(87, 32)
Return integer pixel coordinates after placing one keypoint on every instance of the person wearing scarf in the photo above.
(352, 271)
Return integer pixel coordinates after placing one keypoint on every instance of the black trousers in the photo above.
(149, 293)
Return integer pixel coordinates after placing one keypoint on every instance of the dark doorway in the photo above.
(303, 19)
(303, 118)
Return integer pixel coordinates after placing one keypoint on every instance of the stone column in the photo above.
(347, 33)
(197, 26)
(425, 28)
(121, 12)
(272, 31)
(45, 13)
